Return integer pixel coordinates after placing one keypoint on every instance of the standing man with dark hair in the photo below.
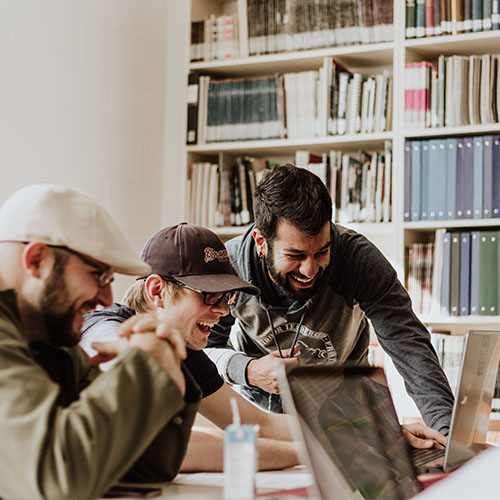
(319, 284)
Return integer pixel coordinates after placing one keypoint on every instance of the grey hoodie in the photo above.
(358, 284)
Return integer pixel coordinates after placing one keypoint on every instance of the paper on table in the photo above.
(268, 480)
(478, 478)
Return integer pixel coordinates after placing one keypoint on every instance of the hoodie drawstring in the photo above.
(295, 338)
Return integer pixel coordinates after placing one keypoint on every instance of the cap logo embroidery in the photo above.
(211, 254)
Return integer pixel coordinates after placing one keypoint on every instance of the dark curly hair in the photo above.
(295, 195)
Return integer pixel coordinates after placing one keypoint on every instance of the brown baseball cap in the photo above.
(194, 256)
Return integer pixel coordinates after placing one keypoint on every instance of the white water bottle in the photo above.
(240, 458)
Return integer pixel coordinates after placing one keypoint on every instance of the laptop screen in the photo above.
(472, 407)
(349, 411)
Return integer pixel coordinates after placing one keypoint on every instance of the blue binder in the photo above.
(451, 177)
(477, 187)
(424, 179)
(437, 179)
(487, 176)
(416, 164)
(407, 182)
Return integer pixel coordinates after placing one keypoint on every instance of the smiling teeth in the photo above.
(204, 323)
(302, 281)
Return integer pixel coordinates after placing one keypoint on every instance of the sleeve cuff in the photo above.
(237, 369)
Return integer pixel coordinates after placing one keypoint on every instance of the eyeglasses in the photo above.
(210, 298)
(104, 275)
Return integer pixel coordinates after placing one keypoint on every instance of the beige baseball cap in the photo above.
(63, 216)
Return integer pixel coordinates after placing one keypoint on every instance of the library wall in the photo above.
(82, 97)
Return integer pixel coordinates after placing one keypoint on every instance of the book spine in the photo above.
(410, 19)
(465, 255)
(474, 272)
(451, 177)
(445, 275)
(407, 182)
(487, 176)
(455, 274)
(478, 170)
(416, 166)
(495, 14)
(192, 108)
(420, 18)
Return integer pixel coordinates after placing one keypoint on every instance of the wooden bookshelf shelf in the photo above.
(464, 130)
(344, 142)
(428, 225)
(355, 56)
(485, 42)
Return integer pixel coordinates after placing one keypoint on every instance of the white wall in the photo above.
(82, 103)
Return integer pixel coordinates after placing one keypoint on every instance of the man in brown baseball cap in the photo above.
(191, 278)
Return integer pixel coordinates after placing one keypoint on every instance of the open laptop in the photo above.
(471, 411)
(353, 441)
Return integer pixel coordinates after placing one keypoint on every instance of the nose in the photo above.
(308, 267)
(105, 296)
(222, 308)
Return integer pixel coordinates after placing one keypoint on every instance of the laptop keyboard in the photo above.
(421, 456)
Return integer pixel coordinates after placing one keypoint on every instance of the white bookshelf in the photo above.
(368, 59)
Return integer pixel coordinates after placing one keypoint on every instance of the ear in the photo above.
(154, 289)
(36, 258)
(260, 242)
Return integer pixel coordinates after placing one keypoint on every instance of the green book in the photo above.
(488, 273)
(410, 19)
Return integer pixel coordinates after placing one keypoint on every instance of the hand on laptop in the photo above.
(421, 436)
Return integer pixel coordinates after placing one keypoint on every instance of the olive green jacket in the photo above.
(69, 431)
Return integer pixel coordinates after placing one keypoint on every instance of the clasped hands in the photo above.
(158, 333)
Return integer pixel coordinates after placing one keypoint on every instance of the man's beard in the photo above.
(283, 281)
(58, 325)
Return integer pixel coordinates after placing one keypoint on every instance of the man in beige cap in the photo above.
(67, 430)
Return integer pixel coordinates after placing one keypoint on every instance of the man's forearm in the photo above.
(205, 452)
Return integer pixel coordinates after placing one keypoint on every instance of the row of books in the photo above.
(329, 101)
(426, 18)
(280, 25)
(419, 264)
(457, 275)
(452, 178)
(216, 37)
(221, 194)
(360, 184)
(460, 90)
